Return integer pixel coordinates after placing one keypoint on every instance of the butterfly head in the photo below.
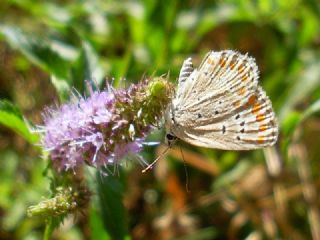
(169, 124)
(170, 139)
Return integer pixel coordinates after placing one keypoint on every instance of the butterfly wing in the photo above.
(185, 72)
(223, 107)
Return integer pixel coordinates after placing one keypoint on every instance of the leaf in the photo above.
(231, 176)
(62, 87)
(87, 67)
(290, 123)
(315, 107)
(113, 212)
(96, 226)
(307, 82)
(11, 117)
(37, 50)
(294, 119)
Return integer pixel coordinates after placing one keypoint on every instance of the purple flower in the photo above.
(98, 130)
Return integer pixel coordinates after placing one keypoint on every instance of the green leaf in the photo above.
(113, 212)
(315, 107)
(307, 82)
(293, 119)
(87, 67)
(37, 50)
(11, 117)
(290, 123)
(62, 87)
(96, 226)
(231, 176)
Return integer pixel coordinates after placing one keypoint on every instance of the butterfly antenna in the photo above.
(156, 160)
(185, 170)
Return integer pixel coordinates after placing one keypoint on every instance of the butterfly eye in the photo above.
(170, 137)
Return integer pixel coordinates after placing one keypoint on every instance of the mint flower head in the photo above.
(106, 126)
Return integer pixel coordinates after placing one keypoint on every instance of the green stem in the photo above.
(48, 230)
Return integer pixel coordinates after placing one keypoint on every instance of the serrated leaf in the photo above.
(113, 212)
(37, 50)
(11, 117)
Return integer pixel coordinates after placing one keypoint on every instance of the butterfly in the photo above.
(220, 105)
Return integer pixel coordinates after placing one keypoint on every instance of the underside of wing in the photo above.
(185, 72)
(250, 126)
(222, 77)
(224, 107)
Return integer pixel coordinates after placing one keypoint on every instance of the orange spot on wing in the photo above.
(237, 103)
(262, 128)
(252, 99)
(261, 140)
(222, 62)
(260, 117)
(241, 68)
(244, 77)
(210, 61)
(256, 108)
(232, 64)
(242, 91)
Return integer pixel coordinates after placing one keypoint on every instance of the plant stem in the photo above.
(48, 230)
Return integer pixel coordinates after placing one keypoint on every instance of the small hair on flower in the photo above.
(103, 128)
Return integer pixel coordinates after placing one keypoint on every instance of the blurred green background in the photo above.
(49, 47)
